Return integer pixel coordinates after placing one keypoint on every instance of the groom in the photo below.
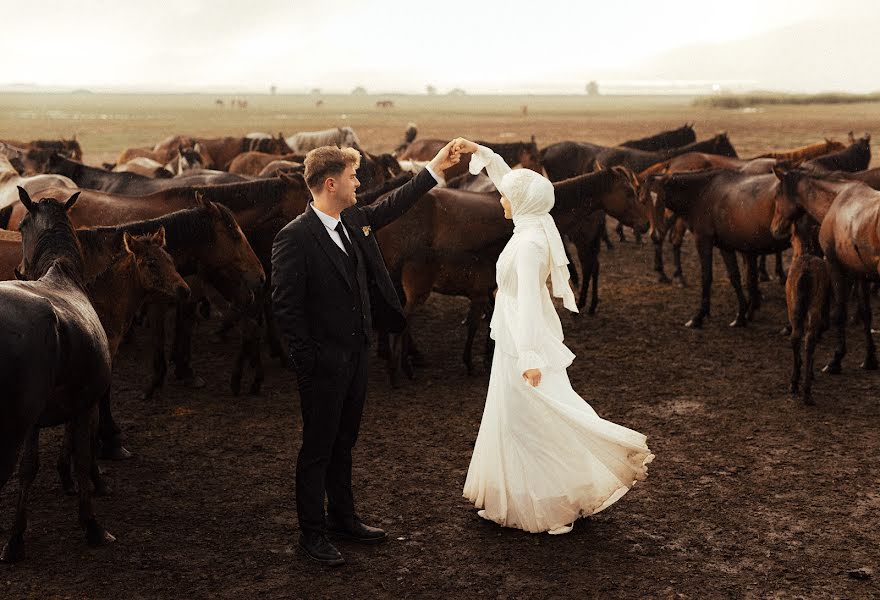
(330, 288)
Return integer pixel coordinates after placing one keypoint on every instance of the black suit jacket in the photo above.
(315, 295)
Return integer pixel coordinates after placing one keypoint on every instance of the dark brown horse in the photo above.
(219, 152)
(673, 138)
(856, 157)
(728, 210)
(513, 153)
(56, 365)
(251, 163)
(849, 236)
(69, 148)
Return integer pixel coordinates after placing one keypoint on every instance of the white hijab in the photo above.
(531, 198)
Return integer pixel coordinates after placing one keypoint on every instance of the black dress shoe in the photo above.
(317, 547)
(356, 532)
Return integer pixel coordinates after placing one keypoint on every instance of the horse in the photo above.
(131, 184)
(343, 137)
(57, 363)
(408, 136)
(276, 167)
(855, 157)
(567, 159)
(808, 300)
(848, 212)
(69, 148)
(455, 232)
(513, 153)
(145, 167)
(807, 152)
(729, 210)
(252, 163)
(673, 138)
(217, 153)
(10, 181)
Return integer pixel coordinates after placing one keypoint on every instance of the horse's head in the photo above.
(653, 207)
(349, 138)
(723, 146)
(622, 199)
(72, 149)
(296, 195)
(189, 158)
(786, 210)
(530, 157)
(47, 234)
(229, 261)
(154, 267)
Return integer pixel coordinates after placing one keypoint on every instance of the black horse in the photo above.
(855, 157)
(665, 140)
(55, 364)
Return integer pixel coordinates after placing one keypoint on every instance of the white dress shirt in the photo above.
(331, 222)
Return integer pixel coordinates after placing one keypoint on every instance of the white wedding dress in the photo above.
(543, 457)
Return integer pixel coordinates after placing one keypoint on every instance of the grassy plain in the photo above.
(107, 123)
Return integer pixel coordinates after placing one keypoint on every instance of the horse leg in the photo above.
(254, 340)
(83, 442)
(840, 286)
(605, 238)
(619, 229)
(704, 249)
(658, 262)
(109, 434)
(13, 551)
(733, 274)
(763, 275)
(780, 271)
(752, 285)
(594, 301)
(810, 351)
(870, 363)
(475, 313)
(677, 239)
(181, 349)
(156, 317)
(572, 270)
(587, 254)
(65, 472)
(796, 337)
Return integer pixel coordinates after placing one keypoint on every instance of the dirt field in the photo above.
(752, 495)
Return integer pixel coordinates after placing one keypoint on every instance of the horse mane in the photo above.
(589, 184)
(392, 184)
(232, 196)
(58, 246)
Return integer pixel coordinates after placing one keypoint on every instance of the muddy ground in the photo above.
(752, 495)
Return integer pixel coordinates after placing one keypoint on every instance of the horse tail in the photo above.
(5, 214)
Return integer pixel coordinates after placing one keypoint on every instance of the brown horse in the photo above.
(673, 138)
(450, 240)
(69, 148)
(808, 299)
(219, 152)
(732, 211)
(252, 163)
(849, 213)
(140, 270)
(807, 152)
(276, 167)
(56, 366)
(513, 153)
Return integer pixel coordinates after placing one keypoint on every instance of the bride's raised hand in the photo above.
(533, 377)
(464, 145)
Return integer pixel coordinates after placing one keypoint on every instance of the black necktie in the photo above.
(340, 229)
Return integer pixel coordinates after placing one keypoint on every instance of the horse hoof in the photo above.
(680, 282)
(870, 364)
(193, 382)
(793, 389)
(740, 321)
(255, 389)
(808, 400)
(694, 324)
(663, 278)
(115, 453)
(832, 369)
(592, 311)
(786, 330)
(763, 277)
(13, 551)
(103, 490)
(69, 489)
(417, 360)
(235, 386)
(97, 535)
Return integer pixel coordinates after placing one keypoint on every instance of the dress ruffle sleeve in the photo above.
(529, 307)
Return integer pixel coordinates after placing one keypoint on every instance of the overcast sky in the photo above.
(383, 45)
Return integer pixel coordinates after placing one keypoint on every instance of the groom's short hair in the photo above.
(328, 161)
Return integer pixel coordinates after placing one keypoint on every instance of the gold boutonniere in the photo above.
(366, 230)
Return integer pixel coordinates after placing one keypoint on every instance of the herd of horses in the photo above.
(187, 226)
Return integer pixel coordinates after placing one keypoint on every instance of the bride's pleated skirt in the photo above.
(543, 457)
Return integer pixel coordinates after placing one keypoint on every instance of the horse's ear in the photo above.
(159, 236)
(779, 171)
(25, 199)
(598, 166)
(19, 275)
(126, 242)
(71, 201)
(180, 148)
(533, 138)
(852, 138)
(200, 199)
(867, 137)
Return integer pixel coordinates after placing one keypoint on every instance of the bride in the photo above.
(543, 457)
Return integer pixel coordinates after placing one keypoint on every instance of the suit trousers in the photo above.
(332, 401)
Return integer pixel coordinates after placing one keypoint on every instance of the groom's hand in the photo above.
(446, 158)
(533, 376)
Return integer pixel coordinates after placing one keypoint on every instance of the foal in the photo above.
(808, 296)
